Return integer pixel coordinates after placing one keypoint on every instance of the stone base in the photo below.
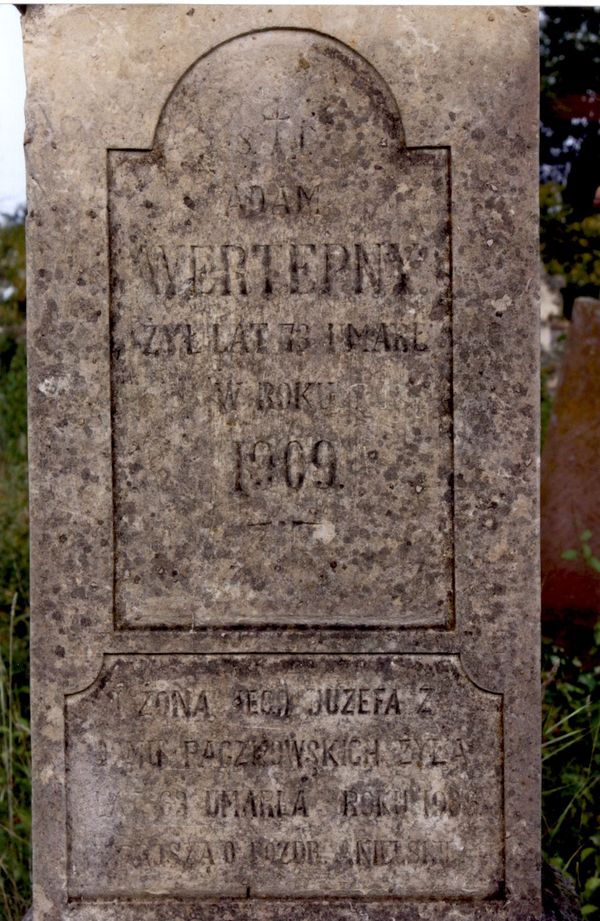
(561, 902)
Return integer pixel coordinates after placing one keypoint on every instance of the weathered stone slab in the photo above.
(282, 272)
(280, 776)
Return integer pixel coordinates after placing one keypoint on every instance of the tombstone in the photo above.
(284, 417)
(570, 537)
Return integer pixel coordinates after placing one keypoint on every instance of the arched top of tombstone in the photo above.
(282, 93)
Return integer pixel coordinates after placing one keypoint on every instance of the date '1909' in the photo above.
(295, 464)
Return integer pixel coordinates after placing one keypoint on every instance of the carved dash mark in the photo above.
(295, 523)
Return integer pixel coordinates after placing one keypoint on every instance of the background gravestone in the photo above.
(283, 409)
(570, 589)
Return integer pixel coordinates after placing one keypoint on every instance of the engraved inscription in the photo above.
(266, 776)
(299, 465)
(284, 323)
(193, 271)
(252, 200)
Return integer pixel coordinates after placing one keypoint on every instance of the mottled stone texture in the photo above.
(283, 403)
(281, 288)
(417, 758)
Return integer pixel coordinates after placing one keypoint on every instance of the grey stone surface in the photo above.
(283, 403)
(560, 901)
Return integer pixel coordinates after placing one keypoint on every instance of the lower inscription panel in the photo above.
(284, 776)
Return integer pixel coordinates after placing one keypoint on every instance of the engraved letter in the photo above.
(300, 271)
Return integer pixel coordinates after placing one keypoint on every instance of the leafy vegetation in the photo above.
(571, 768)
(15, 772)
(569, 98)
(585, 552)
(570, 148)
(569, 247)
(546, 404)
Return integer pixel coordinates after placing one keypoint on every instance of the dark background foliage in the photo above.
(570, 249)
(570, 148)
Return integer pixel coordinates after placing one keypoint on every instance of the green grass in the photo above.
(15, 762)
(571, 768)
(15, 770)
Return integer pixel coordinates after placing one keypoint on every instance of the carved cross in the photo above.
(276, 118)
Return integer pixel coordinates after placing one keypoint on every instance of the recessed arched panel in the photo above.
(326, 89)
(281, 316)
